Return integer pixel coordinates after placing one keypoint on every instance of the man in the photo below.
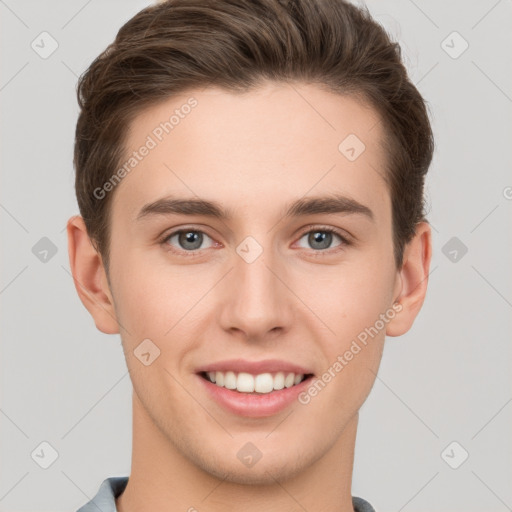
(284, 142)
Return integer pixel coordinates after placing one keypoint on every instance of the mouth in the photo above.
(254, 384)
(254, 389)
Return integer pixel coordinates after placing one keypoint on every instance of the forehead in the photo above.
(279, 141)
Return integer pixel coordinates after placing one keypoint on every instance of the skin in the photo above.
(254, 153)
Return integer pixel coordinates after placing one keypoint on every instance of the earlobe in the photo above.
(414, 280)
(89, 277)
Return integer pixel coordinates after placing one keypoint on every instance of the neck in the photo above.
(163, 479)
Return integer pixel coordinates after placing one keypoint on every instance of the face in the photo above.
(250, 284)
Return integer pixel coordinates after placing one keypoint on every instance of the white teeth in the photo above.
(261, 383)
(230, 380)
(288, 380)
(245, 383)
(279, 380)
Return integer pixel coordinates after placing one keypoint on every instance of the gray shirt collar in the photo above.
(112, 487)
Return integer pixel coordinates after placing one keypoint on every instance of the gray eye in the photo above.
(189, 240)
(320, 239)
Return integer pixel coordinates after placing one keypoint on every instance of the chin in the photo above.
(252, 476)
(266, 471)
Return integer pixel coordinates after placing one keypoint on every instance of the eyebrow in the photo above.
(334, 203)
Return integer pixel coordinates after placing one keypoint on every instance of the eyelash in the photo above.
(345, 242)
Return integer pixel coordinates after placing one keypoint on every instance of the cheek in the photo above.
(159, 302)
(147, 303)
(352, 307)
(352, 299)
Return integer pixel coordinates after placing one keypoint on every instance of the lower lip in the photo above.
(254, 405)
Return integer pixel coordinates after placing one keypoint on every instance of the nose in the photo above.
(256, 302)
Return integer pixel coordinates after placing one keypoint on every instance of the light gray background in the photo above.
(446, 380)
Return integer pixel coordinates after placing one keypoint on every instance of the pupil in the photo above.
(189, 239)
(323, 238)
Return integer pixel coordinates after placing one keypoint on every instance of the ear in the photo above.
(412, 280)
(89, 277)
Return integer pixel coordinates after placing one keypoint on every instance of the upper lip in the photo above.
(254, 367)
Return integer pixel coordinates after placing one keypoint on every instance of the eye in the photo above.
(321, 238)
(188, 240)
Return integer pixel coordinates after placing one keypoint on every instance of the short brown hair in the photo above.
(175, 45)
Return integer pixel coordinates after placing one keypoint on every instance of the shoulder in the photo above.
(105, 499)
(361, 505)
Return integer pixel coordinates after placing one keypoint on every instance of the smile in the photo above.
(247, 383)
